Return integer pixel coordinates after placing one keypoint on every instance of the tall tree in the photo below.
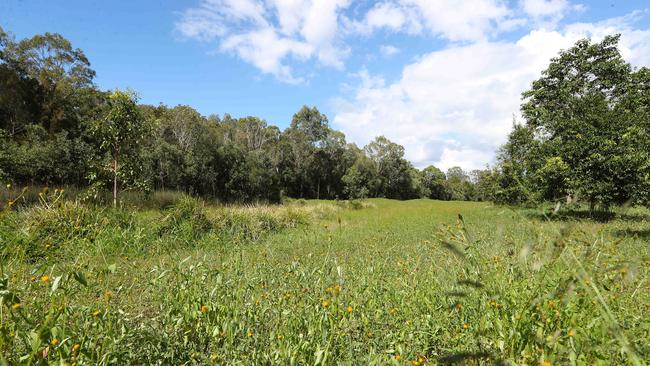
(121, 132)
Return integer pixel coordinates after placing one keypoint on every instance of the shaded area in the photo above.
(633, 233)
(580, 215)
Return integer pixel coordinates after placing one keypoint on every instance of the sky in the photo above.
(443, 78)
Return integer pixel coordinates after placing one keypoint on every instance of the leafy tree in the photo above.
(392, 168)
(435, 182)
(120, 132)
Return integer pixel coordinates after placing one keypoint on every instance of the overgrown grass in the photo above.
(417, 282)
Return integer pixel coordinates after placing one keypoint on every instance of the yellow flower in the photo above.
(204, 309)
(337, 289)
(15, 307)
(325, 303)
(54, 342)
(398, 357)
(329, 289)
(45, 279)
(76, 348)
(571, 333)
(415, 363)
(459, 306)
(465, 326)
(108, 294)
(96, 313)
(249, 333)
(545, 363)
(214, 357)
(350, 309)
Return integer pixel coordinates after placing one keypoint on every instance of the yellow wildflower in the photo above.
(214, 357)
(15, 307)
(325, 303)
(465, 326)
(249, 333)
(350, 309)
(76, 348)
(571, 333)
(45, 279)
(398, 357)
(54, 342)
(204, 309)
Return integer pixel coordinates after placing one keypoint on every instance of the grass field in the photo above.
(390, 283)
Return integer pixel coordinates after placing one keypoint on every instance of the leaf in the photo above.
(80, 277)
(56, 283)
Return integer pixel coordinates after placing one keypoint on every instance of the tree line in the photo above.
(58, 128)
(585, 136)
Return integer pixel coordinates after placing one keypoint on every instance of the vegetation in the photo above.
(211, 252)
(417, 282)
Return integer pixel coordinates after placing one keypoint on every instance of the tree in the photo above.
(435, 182)
(120, 132)
(587, 126)
(392, 168)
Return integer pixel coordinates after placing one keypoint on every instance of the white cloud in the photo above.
(544, 8)
(471, 21)
(455, 106)
(267, 34)
(282, 30)
(388, 50)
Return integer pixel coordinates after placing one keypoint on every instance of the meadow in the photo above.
(375, 282)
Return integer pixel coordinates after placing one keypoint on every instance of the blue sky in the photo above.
(443, 78)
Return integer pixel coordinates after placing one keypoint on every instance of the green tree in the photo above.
(588, 118)
(121, 131)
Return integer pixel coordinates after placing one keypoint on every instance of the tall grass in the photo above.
(402, 283)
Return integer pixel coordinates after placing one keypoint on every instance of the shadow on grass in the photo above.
(586, 215)
(633, 233)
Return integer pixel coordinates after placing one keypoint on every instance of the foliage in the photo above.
(352, 287)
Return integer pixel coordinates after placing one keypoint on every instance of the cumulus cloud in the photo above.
(282, 31)
(455, 106)
(268, 34)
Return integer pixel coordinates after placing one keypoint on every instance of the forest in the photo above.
(585, 137)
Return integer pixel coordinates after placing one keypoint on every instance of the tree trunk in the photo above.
(115, 180)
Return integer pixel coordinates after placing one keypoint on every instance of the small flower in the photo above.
(349, 309)
(76, 348)
(571, 333)
(16, 307)
(465, 326)
(249, 333)
(325, 303)
(45, 279)
(337, 289)
(96, 313)
(54, 342)
(214, 357)
(204, 309)
(108, 294)
(459, 306)
(545, 363)
(398, 357)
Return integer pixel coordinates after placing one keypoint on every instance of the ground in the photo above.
(379, 282)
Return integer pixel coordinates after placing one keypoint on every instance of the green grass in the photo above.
(318, 282)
